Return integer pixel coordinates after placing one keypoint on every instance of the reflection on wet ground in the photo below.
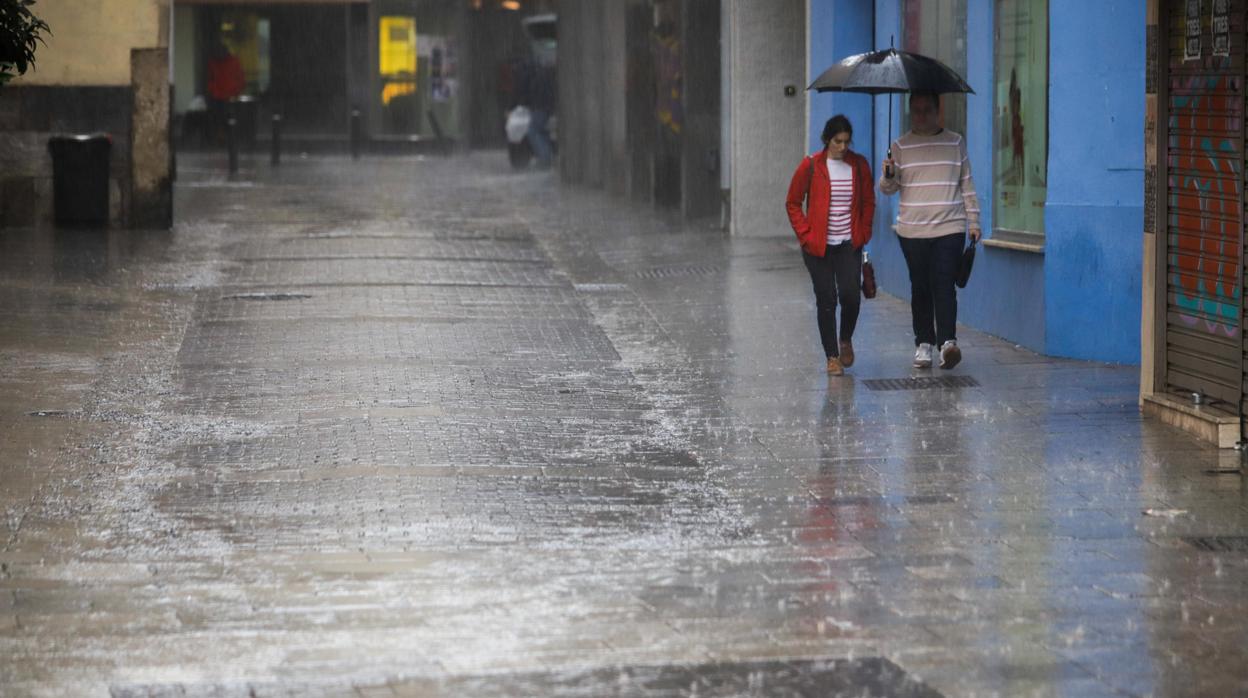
(418, 427)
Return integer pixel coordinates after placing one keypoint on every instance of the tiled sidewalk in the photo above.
(426, 427)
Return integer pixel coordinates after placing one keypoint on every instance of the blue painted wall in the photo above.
(839, 28)
(1094, 213)
(1006, 295)
(1081, 298)
(1019, 314)
(890, 266)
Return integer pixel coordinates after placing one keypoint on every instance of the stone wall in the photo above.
(32, 114)
(104, 68)
(151, 201)
(639, 104)
(768, 44)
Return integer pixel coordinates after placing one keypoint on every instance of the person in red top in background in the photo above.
(838, 191)
(225, 82)
(225, 75)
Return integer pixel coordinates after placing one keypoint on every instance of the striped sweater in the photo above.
(840, 204)
(934, 178)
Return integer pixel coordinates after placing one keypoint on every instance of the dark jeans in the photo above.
(933, 264)
(836, 276)
(539, 136)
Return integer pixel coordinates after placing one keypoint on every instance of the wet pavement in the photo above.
(408, 426)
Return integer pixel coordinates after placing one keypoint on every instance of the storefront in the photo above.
(1052, 134)
(315, 62)
(1194, 368)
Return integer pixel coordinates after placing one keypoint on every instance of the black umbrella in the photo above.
(890, 71)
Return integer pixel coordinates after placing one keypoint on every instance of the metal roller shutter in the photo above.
(1204, 214)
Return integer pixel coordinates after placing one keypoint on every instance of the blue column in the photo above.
(890, 266)
(1006, 296)
(839, 28)
(1094, 212)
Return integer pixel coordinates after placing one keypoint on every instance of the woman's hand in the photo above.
(976, 234)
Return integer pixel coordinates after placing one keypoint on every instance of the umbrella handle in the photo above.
(888, 171)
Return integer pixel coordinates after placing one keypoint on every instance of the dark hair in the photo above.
(930, 95)
(837, 124)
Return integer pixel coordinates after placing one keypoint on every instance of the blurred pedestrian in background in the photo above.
(225, 82)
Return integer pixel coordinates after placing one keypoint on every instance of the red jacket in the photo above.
(225, 77)
(811, 184)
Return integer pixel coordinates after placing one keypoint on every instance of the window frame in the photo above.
(1003, 236)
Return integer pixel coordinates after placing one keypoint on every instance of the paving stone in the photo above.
(411, 427)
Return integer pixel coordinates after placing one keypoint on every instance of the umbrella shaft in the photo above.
(890, 122)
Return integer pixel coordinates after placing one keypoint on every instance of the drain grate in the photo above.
(1219, 544)
(100, 307)
(48, 413)
(496, 235)
(267, 297)
(783, 267)
(870, 676)
(600, 288)
(877, 500)
(668, 272)
(920, 383)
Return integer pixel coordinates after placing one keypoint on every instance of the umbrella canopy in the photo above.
(890, 70)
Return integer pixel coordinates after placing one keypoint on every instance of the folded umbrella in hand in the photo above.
(868, 276)
(965, 262)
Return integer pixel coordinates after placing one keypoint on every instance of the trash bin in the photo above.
(80, 165)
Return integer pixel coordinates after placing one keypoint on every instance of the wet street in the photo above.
(426, 427)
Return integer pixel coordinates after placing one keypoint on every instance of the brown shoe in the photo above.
(834, 367)
(847, 353)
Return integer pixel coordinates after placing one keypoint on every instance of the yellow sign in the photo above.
(397, 61)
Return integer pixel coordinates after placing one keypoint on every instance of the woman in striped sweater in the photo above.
(838, 191)
(938, 206)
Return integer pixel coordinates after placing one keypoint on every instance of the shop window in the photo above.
(1021, 118)
(937, 28)
(246, 36)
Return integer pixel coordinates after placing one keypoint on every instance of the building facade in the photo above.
(122, 90)
(394, 64)
(414, 71)
(1053, 133)
(1195, 362)
(1053, 129)
(640, 100)
(149, 73)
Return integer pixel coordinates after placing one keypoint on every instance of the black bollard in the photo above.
(357, 134)
(231, 143)
(275, 154)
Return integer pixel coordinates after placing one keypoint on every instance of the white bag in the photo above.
(517, 124)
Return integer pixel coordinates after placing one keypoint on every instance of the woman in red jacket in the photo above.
(836, 186)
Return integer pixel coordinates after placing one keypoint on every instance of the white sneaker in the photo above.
(950, 354)
(923, 356)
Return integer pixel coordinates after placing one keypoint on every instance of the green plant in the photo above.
(20, 35)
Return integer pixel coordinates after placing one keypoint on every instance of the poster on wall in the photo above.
(668, 103)
(1191, 38)
(439, 51)
(1221, 27)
